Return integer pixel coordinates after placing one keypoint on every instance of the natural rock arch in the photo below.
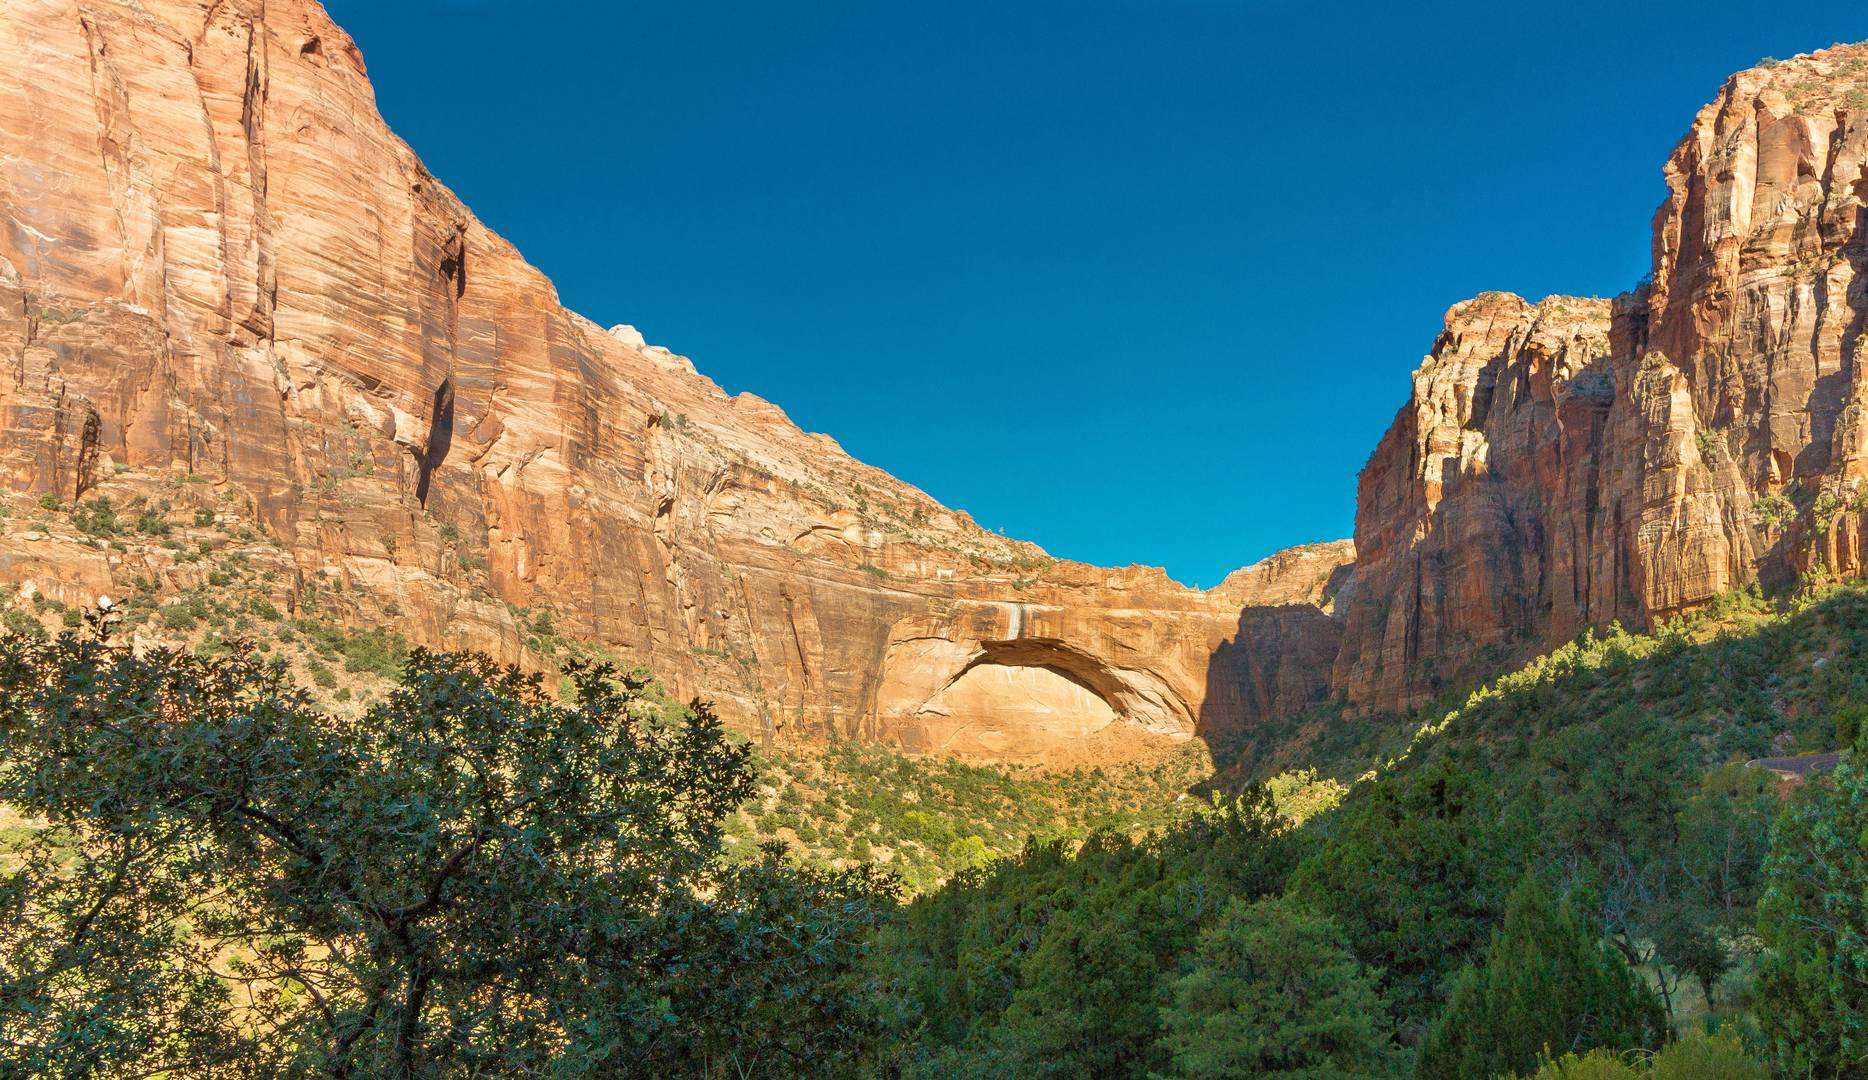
(1024, 699)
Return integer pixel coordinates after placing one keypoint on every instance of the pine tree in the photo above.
(1812, 998)
(1549, 985)
(1275, 993)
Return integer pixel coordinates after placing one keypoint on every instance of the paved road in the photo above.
(1796, 768)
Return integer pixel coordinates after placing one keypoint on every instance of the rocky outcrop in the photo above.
(220, 272)
(1575, 462)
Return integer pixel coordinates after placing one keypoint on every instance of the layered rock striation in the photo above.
(220, 271)
(1576, 462)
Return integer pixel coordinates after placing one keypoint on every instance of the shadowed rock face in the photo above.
(1574, 462)
(218, 263)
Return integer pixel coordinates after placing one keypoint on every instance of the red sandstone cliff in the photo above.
(1574, 462)
(218, 264)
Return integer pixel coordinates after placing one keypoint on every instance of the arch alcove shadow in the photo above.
(1035, 698)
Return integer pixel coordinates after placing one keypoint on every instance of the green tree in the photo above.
(1549, 985)
(1275, 993)
(472, 879)
(1415, 870)
(1811, 992)
(95, 967)
(1085, 1005)
(1054, 962)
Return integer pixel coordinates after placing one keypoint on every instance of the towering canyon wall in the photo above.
(1575, 462)
(221, 273)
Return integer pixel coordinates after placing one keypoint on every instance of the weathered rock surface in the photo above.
(217, 264)
(1575, 462)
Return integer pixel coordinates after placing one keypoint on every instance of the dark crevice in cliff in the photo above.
(454, 265)
(440, 438)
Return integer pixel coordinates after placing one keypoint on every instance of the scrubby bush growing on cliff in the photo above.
(473, 879)
(1773, 510)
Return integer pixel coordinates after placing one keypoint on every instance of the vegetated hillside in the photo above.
(1746, 676)
(1569, 859)
(211, 580)
(1602, 786)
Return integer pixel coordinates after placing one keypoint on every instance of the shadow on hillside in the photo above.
(1278, 662)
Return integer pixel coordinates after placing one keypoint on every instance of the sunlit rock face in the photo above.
(1573, 462)
(1012, 710)
(217, 264)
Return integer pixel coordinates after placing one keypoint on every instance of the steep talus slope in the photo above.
(218, 265)
(1576, 462)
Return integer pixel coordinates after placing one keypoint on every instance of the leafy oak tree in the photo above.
(472, 879)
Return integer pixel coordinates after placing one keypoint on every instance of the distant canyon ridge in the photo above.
(219, 268)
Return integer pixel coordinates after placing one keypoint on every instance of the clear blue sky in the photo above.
(1139, 280)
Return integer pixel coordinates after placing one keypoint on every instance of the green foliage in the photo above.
(375, 650)
(473, 879)
(1813, 1002)
(1274, 992)
(1600, 762)
(1697, 1056)
(154, 521)
(1548, 984)
(1055, 962)
(1416, 870)
(1826, 508)
(926, 818)
(96, 518)
(91, 980)
(1303, 794)
(1773, 510)
(1719, 1056)
(184, 613)
(18, 622)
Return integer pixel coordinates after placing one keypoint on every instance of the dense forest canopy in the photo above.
(1569, 873)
